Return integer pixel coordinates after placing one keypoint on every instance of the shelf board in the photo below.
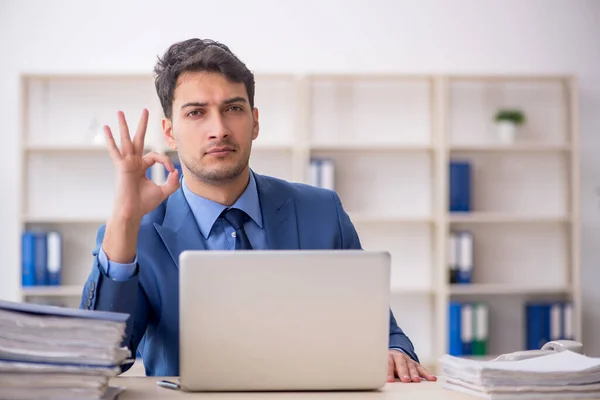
(494, 217)
(364, 218)
(57, 219)
(272, 146)
(506, 78)
(73, 148)
(371, 147)
(399, 290)
(66, 148)
(52, 291)
(516, 148)
(505, 289)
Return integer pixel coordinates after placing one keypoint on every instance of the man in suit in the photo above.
(207, 96)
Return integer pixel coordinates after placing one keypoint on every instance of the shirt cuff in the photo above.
(114, 270)
(399, 349)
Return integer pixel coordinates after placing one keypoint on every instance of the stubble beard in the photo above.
(218, 174)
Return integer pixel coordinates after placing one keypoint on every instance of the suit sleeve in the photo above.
(104, 293)
(350, 240)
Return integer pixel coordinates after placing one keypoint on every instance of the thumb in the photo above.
(171, 185)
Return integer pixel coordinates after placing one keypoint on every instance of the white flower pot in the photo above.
(99, 139)
(506, 131)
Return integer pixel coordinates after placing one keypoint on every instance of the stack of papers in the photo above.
(559, 375)
(49, 352)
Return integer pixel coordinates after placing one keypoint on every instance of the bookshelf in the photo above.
(391, 138)
(525, 217)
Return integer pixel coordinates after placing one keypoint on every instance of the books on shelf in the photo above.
(55, 352)
(561, 375)
(322, 173)
(460, 186)
(468, 325)
(460, 261)
(547, 321)
(41, 258)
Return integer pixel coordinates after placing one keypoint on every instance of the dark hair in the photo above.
(195, 55)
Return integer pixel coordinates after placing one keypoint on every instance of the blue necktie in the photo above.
(237, 218)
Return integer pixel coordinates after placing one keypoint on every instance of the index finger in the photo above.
(140, 134)
(425, 374)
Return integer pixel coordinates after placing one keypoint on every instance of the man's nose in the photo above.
(218, 128)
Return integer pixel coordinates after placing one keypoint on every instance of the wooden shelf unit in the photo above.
(391, 138)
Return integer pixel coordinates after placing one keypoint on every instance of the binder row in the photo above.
(41, 258)
(468, 329)
(546, 321)
(321, 173)
(468, 326)
(460, 260)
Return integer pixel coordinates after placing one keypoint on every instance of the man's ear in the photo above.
(167, 128)
(255, 127)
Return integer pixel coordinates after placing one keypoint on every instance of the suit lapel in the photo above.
(179, 230)
(279, 216)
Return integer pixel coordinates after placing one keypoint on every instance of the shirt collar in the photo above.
(207, 211)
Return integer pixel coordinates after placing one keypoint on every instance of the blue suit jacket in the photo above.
(296, 216)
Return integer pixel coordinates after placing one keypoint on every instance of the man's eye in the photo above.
(193, 113)
(235, 108)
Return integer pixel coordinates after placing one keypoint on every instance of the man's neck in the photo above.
(225, 193)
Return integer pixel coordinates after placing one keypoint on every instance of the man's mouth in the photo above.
(220, 151)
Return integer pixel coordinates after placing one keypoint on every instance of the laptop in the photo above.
(290, 320)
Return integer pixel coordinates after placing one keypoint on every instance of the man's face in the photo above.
(212, 126)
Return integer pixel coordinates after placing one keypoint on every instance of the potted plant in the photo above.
(507, 121)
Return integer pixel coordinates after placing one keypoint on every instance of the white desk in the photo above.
(145, 388)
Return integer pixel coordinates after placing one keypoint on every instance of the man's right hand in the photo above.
(135, 194)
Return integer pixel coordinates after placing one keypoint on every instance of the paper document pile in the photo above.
(49, 352)
(556, 376)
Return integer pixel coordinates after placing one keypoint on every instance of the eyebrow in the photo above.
(228, 101)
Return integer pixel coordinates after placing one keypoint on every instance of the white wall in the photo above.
(502, 36)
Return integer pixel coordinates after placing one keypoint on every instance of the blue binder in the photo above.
(537, 325)
(460, 186)
(28, 259)
(455, 345)
(41, 259)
